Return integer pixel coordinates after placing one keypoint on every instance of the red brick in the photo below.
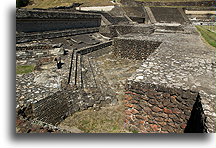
(141, 122)
(156, 109)
(134, 101)
(128, 105)
(154, 127)
(164, 132)
(172, 124)
(144, 98)
(128, 112)
(141, 127)
(134, 111)
(129, 92)
(162, 123)
(152, 121)
(176, 111)
(126, 121)
(128, 118)
(18, 122)
(173, 99)
(125, 101)
(128, 97)
(168, 111)
(183, 126)
(159, 119)
(141, 117)
(147, 110)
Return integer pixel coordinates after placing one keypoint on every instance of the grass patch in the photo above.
(22, 69)
(53, 3)
(106, 120)
(211, 28)
(208, 35)
(172, 0)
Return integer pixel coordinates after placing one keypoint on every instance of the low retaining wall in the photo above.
(27, 37)
(31, 53)
(136, 48)
(141, 29)
(157, 109)
(55, 108)
(86, 50)
(116, 30)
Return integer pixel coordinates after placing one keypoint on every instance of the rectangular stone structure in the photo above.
(43, 20)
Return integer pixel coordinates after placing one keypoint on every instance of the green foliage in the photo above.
(22, 3)
(208, 35)
(22, 69)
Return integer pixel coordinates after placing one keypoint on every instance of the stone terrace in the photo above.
(183, 62)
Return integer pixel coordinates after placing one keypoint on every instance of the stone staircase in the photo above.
(86, 75)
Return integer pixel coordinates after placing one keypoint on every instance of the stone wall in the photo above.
(27, 37)
(25, 126)
(136, 48)
(116, 30)
(90, 49)
(167, 15)
(179, 73)
(186, 4)
(138, 19)
(35, 51)
(38, 21)
(141, 29)
(157, 109)
(55, 108)
(114, 19)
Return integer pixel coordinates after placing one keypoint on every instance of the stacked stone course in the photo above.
(153, 109)
(27, 37)
(39, 21)
(136, 48)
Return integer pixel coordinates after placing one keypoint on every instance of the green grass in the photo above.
(211, 28)
(172, 0)
(105, 120)
(22, 69)
(208, 35)
(53, 3)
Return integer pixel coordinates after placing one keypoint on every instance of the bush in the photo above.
(22, 3)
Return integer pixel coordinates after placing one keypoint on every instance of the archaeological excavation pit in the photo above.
(145, 78)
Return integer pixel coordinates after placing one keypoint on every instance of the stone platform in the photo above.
(176, 85)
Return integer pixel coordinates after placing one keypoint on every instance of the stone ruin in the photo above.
(172, 89)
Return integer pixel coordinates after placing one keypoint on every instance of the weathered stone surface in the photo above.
(180, 72)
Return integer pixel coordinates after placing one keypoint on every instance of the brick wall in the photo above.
(156, 109)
